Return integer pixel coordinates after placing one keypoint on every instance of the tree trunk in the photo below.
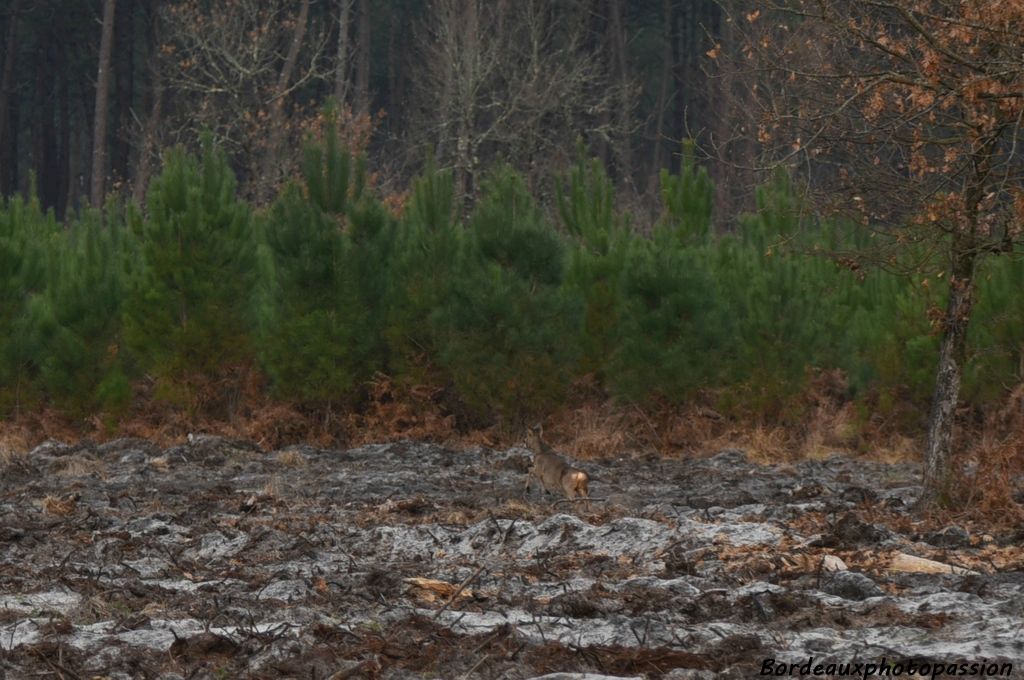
(363, 60)
(154, 101)
(725, 134)
(99, 137)
(466, 104)
(617, 42)
(146, 151)
(597, 44)
(341, 60)
(79, 141)
(938, 472)
(64, 149)
(45, 142)
(680, 58)
(271, 165)
(6, 87)
(401, 36)
(124, 79)
(392, 59)
(667, 68)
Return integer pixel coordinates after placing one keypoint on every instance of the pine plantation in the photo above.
(504, 311)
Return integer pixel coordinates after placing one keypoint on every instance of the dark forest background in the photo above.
(463, 83)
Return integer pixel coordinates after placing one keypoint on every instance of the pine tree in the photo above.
(322, 277)
(676, 334)
(185, 312)
(996, 337)
(506, 330)
(26, 235)
(586, 208)
(687, 199)
(77, 319)
(422, 266)
(675, 331)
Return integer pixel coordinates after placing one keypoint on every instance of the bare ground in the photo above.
(215, 559)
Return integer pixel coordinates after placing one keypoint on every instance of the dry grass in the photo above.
(398, 412)
(60, 507)
(14, 445)
(79, 466)
(768, 445)
(895, 448)
(514, 508)
(273, 488)
(11, 456)
(275, 425)
(589, 427)
(994, 467)
(292, 458)
(591, 431)
(829, 429)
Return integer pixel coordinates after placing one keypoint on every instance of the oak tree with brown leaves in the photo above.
(233, 69)
(907, 115)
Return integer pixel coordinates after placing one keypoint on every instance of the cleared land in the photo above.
(217, 559)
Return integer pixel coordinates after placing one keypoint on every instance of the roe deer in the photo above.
(553, 473)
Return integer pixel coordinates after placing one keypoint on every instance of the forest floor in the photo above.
(214, 558)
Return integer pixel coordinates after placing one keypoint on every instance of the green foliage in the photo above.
(687, 199)
(321, 256)
(504, 332)
(505, 312)
(586, 206)
(885, 344)
(996, 333)
(596, 264)
(779, 210)
(334, 179)
(185, 317)
(423, 263)
(781, 302)
(77, 320)
(675, 334)
(26, 235)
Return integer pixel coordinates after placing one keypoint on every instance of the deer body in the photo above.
(554, 473)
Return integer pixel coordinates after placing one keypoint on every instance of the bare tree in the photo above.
(907, 115)
(362, 103)
(145, 134)
(269, 179)
(99, 138)
(341, 60)
(231, 68)
(514, 80)
(667, 68)
(620, 71)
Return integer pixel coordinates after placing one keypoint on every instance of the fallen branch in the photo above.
(479, 663)
(920, 565)
(459, 590)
